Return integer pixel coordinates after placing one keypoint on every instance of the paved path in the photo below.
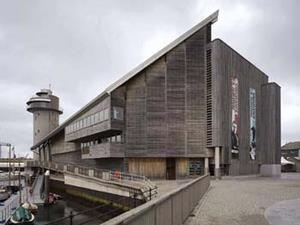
(165, 186)
(243, 200)
(284, 212)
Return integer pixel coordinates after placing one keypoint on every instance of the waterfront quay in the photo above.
(250, 200)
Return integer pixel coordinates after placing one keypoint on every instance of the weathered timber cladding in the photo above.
(165, 104)
(195, 111)
(59, 145)
(117, 99)
(136, 116)
(175, 90)
(226, 64)
(156, 108)
(151, 167)
(75, 157)
(182, 167)
(271, 135)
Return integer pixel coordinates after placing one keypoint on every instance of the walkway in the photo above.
(35, 197)
(244, 200)
(165, 186)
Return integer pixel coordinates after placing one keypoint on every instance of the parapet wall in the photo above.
(170, 209)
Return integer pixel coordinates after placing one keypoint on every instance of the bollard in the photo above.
(71, 218)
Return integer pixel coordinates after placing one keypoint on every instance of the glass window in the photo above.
(101, 116)
(84, 122)
(88, 121)
(118, 113)
(92, 119)
(113, 139)
(119, 138)
(97, 117)
(106, 114)
(104, 140)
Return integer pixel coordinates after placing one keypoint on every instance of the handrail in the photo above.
(34, 182)
(104, 174)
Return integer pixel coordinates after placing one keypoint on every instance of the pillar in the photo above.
(217, 163)
(206, 165)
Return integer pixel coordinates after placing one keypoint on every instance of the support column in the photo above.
(217, 163)
(46, 186)
(206, 165)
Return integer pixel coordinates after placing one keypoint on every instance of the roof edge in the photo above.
(210, 19)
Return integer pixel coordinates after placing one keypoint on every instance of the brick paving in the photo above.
(243, 200)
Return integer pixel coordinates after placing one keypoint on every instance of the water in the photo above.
(62, 208)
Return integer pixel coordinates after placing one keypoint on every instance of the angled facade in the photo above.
(193, 107)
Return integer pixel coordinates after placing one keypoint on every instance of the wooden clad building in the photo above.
(194, 105)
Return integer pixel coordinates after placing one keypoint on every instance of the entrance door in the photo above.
(171, 169)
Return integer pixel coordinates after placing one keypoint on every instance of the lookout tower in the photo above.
(46, 111)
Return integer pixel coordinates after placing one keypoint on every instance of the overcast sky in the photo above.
(81, 47)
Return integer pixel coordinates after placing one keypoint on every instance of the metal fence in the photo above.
(8, 207)
(99, 173)
(108, 175)
(170, 209)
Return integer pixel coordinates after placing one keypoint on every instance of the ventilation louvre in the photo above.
(208, 98)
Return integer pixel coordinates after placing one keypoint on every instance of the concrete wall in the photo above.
(170, 209)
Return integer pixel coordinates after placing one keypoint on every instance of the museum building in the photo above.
(195, 106)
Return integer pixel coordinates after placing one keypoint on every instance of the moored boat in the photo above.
(4, 194)
(33, 208)
(22, 216)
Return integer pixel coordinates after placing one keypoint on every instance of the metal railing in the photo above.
(93, 213)
(10, 205)
(145, 185)
(171, 208)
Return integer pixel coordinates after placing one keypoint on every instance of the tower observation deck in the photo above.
(45, 108)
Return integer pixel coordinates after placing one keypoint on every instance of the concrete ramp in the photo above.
(107, 181)
(35, 196)
(101, 185)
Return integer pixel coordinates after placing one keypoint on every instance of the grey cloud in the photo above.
(80, 47)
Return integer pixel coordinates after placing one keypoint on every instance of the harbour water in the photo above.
(63, 208)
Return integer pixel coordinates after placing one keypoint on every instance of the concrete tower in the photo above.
(46, 111)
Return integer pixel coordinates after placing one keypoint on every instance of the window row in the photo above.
(88, 121)
(112, 139)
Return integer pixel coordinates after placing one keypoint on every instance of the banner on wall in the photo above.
(235, 118)
(252, 108)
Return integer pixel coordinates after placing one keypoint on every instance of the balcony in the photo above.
(103, 150)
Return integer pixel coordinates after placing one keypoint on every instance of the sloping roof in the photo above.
(209, 20)
(291, 146)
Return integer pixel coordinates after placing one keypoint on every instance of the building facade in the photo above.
(195, 105)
